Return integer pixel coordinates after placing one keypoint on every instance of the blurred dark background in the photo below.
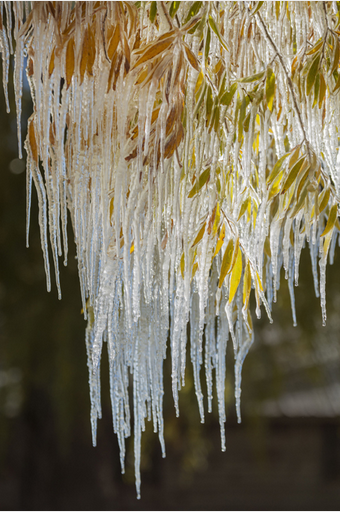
(284, 455)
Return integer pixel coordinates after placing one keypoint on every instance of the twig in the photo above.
(289, 80)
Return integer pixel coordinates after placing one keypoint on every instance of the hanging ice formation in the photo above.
(195, 145)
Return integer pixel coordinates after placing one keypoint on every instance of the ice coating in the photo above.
(197, 155)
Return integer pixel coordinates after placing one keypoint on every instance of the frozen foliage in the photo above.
(195, 145)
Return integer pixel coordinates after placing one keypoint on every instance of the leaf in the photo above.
(227, 97)
(293, 174)
(257, 8)
(182, 265)
(252, 78)
(173, 8)
(276, 169)
(337, 85)
(235, 276)
(84, 56)
(154, 50)
(316, 89)
(69, 61)
(193, 10)
(324, 198)
(315, 48)
(202, 180)
(91, 52)
(33, 142)
(226, 262)
(270, 88)
(217, 32)
(132, 248)
(331, 219)
(207, 45)
(191, 57)
(51, 65)
(244, 207)
(246, 285)
(312, 73)
(199, 235)
(336, 56)
(220, 241)
(322, 90)
(114, 42)
(153, 11)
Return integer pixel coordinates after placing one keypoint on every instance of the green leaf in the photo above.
(252, 78)
(202, 180)
(241, 118)
(257, 8)
(174, 8)
(207, 45)
(336, 56)
(217, 32)
(153, 11)
(316, 89)
(312, 73)
(322, 90)
(227, 97)
(276, 169)
(331, 219)
(270, 88)
(193, 11)
(226, 262)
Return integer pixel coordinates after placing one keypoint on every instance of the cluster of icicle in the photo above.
(195, 146)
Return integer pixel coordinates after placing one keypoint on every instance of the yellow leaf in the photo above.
(331, 219)
(246, 285)
(220, 241)
(323, 199)
(217, 219)
(69, 61)
(259, 281)
(51, 65)
(182, 265)
(194, 269)
(226, 262)
(235, 275)
(293, 174)
(199, 235)
(132, 248)
(276, 169)
(244, 207)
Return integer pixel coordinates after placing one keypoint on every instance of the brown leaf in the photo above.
(173, 142)
(91, 55)
(69, 61)
(154, 50)
(191, 57)
(84, 56)
(114, 42)
(33, 141)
